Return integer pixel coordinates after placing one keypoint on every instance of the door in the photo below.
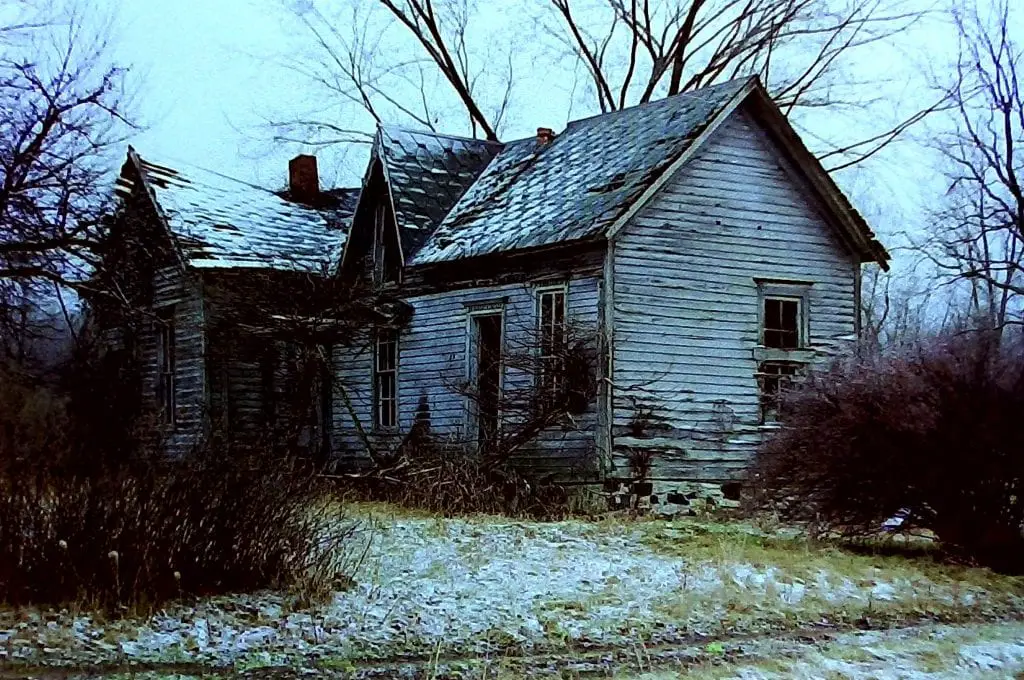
(486, 377)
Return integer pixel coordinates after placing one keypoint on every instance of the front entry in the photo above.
(486, 367)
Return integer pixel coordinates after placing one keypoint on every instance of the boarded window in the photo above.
(774, 377)
(551, 331)
(782, 323)
(385, 378)
(165, 365)
(384, 267)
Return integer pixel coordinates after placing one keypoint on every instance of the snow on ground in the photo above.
(475, 587)
(924, 653)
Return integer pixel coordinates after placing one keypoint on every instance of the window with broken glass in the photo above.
(385, 378)
(551, 331)
(783, 335)
(782, 323)
(774, 378)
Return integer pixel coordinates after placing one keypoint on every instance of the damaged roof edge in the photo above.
(216, 221)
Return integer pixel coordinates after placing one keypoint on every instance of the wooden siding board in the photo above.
(685, 299)
(432, 359)
(171, 286)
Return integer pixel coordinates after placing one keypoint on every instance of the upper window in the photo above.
(784, 314)
(385, 378)
(551, 332)
(383, 269)
(782, 323)
(165, 364)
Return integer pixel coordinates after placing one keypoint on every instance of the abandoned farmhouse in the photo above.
(638, 286)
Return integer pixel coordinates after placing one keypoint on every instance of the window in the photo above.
(385, 378)
(784, 307)
(551, 331)
(782, 323)
(774, 377)
(383, 269)
(165, 364)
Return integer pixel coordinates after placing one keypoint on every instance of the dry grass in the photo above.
(876, 583)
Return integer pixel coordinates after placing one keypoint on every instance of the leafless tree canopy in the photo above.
(61, 110)
(977, 236)
(451, 64)
(973, 238)
(440, 69)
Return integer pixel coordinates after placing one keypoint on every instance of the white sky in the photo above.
(209, 71)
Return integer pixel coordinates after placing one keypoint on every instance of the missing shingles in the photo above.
(617, 181)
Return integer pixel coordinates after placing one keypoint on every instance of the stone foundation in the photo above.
(673, 498)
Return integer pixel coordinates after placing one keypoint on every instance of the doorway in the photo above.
(486, 376)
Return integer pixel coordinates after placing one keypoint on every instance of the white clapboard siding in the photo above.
(432, 362)
(686, 303)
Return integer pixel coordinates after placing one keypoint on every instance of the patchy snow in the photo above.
(476, 587)
(926, 652)
(224, 223)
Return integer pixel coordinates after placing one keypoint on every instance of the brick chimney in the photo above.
(303, 179)
(545, 135)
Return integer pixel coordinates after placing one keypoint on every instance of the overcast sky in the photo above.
(210, 71)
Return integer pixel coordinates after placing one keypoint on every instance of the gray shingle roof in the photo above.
(223, 223)
(427, 173)
(575, 186)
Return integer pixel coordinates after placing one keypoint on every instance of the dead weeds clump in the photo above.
(138, 535)
(452, 480)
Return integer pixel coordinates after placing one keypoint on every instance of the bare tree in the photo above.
(900, 310)
(632, 50)
(62, 108)
(635, 51)
(977, 238)
(350, 61)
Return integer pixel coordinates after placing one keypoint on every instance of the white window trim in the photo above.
(801, 355)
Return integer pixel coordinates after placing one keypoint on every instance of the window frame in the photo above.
(385, 336)
(769, 402)
(769, 360)
(383, 273)
(549, 386)
(166, 388)
(785, 291)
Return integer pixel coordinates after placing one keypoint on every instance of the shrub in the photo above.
(33, 415)
(451, 479)
(137, 536)
(932, 434)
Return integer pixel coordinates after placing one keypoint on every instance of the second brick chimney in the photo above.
(303, 178)
(545, 135)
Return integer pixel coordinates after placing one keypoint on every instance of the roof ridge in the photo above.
(430, 133)
(691, 94)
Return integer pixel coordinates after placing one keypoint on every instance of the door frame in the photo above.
(473, 317)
